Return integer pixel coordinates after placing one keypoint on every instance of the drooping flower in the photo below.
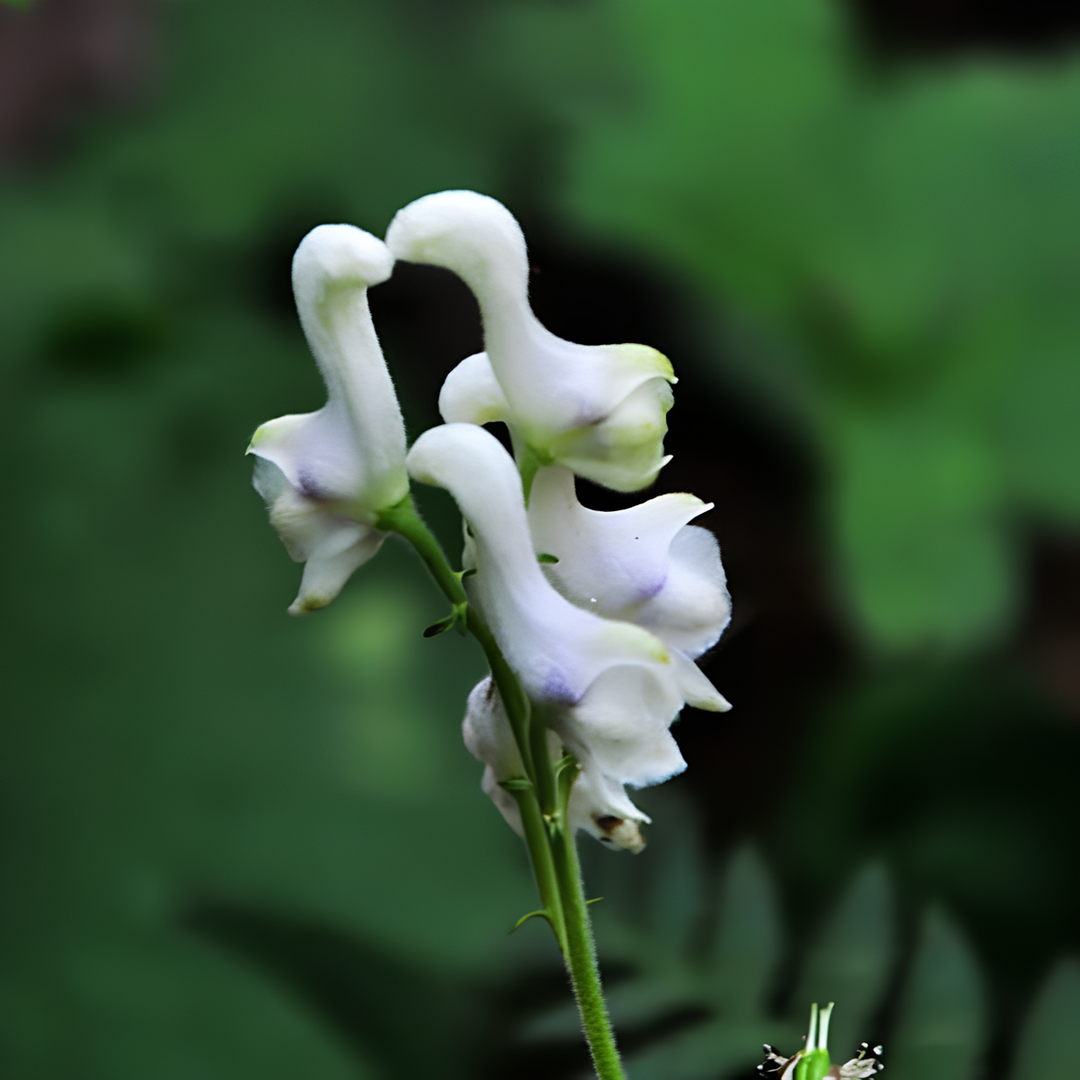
(598, 409)
(327, 475)
(609, 689)
(598, 803)
(644, 565)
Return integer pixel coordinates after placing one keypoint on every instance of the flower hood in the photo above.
(643, 565)
(327, 475)
(600, 410)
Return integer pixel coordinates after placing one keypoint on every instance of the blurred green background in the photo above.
(236, 844)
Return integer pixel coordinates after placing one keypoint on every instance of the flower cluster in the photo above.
(599, 615)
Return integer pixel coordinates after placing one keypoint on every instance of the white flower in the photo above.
(489, 738)
(608, 688)
(814, 1056)
(598, 804)
(598, 409)
(327, 475)
(643, 565)
(862, 1067)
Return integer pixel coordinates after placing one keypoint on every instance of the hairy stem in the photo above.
(580, 954)
(541, 798)
(404, 520)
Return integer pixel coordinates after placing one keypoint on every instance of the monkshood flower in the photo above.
(644, 565)
(598, 802)
(600, 410)
(327, 475)
(812, 1061)
(609, 689)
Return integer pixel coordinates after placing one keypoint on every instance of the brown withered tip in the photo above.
(620, 832)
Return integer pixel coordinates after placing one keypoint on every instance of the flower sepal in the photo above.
(598, 409)
(328, 475)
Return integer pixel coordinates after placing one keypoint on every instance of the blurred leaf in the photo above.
(372, 999)
(749, 940)
(1047, 1044)
(894, 252)
(710, 1050)
(851, 960)
(941, 1024)
(103, 335)
(926, 559)
(676, 878)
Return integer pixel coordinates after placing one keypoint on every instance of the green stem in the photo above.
(581, 960)
(513, 696)
(403, 519)
(538, 842)
(543, 804)
(546, 789)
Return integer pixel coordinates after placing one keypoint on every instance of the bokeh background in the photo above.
(237, 844)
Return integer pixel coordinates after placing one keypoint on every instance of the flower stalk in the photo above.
(542, 796)
(590, 621)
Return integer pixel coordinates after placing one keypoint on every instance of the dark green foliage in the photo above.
(700, 1008)
(372, 999)
(898, 261)
(893, 259)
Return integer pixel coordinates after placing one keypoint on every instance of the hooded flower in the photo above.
(643, 565)
(598, 803)
(609, 689)
(598, 409)
(327, 475)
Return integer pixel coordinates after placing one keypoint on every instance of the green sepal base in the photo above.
(813, 1065)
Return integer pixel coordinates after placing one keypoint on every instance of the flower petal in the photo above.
(600, 806)
(332, 545)
(620, 726)
(353, 449)
(600, 409)
(694, 687)
(556, 649)
(598, 803)
(643, 565)
(624, 450)
(471, 394)
(489, 738)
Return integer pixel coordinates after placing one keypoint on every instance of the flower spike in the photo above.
(556, 649)
(327, 475)
(600, 410)
(609, 689)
